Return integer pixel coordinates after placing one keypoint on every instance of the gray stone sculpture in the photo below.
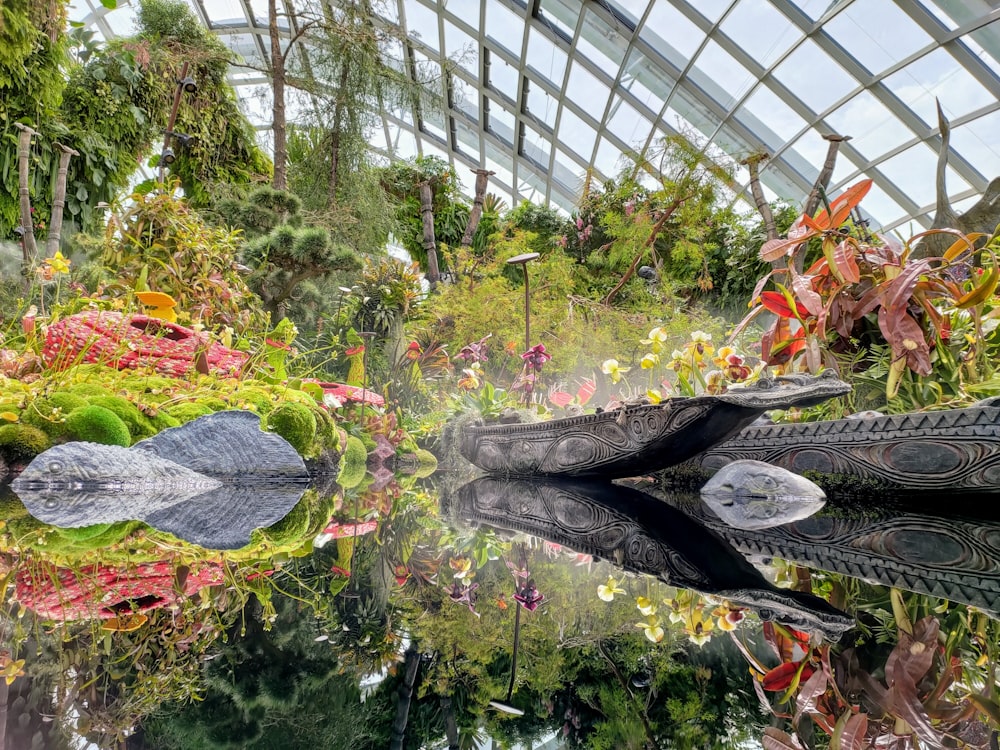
(636, 438)
(954, 449)
(211, 481)
(749, 494)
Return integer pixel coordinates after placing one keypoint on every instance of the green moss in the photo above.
(326, 430)
(139, 425)
(214, 403)
(164, 421)
(95, 424)
(260, 400)
(292, 528)
(426, 463)
(49, 413)
(89, 390)
(296, 423)
(353, 464)
(187, 411)
(19, 441)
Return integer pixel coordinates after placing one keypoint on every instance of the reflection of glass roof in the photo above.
(543, 90)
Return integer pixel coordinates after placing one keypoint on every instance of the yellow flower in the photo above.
(652, 628)
(58, 263)
(657, 337)
(650, 361)
(606, 591)
(611, 368)
(462, 567)
(645, 606)
(654, 395)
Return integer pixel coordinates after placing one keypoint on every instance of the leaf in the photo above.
(775, 739)
(963, 244)
(849, 734)
(774, 249)
(903, 702)
(845, 262)
(982, 292)
(777, 303)
(110, 4)
(814, 687)
(844, 203)
(809, 297)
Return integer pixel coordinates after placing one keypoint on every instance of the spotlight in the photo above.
(167, 156)
(183, 138)
(189, 85)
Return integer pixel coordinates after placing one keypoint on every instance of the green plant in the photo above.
(296, 423)
(22, 441)
(353, 464)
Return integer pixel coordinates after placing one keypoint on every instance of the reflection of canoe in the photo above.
(954, 449)
(132, 341)
(947, 550)
(641, 534)
(635, 439)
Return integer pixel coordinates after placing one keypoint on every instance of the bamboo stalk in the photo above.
(28, 249)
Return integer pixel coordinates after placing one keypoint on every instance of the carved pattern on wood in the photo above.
(953, 558)
(954, 449)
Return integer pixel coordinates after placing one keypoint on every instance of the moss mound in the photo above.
(187, 411)
(296, 423)
(426, 463)
(89, 390)
(95, 424)
(20, 441)
(139, 425)
(49, 413)
(353, 464)
(258, 399)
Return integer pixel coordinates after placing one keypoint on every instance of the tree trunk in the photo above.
(823, 180)
(450, 725)
(59, 200)
(427, 212)
(338, 116)
(752, 164)
(482, 176)
(404, 698)
(278, 124)
(28, 249)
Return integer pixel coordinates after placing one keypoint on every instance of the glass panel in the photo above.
(502, 122)
(881, 207)
(422, 23)
(387, 9)
(229, 12)
(461, 48)
(404, 144)
(257, 7)
(503, 77)
(584, 89)
(746, 23)
(504, 26)
(632, 9)
(774, 114)
(938, 75)
(603, 45)
(545, 58)
(537, 146)
(560, 14)
(815, 8)
(501, 163)
(575, 134)
(466, 97)
(877, 33)
(913, 172)
(647, 82)
(433, 149)
(814, 77)
(874, 128)
(711, 9)
(978, 143)
(719, 75)
(671, 33)
(542, 106)
(607, 159)
(987, 36)
(626, 123)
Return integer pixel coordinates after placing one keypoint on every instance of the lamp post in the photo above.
(504, 705)
(523, 260)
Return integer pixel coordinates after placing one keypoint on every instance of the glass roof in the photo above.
(544, 90)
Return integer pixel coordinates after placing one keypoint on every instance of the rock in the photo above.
(750, 494)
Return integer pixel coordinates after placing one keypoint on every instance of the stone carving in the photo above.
(754, 495)
(211, 481)
(641, 534)
(636, 438)
(955, 449)
(954, 558)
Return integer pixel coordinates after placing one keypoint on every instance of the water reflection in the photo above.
(610, 617)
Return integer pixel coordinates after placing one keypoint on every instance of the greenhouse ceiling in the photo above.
(540, 93)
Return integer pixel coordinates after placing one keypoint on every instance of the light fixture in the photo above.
(167, 156)
(189, 85)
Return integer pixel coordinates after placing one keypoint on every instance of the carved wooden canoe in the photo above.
(636, 439)
(954, 449)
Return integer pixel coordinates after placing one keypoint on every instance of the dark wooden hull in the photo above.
(633, 439)
(954, 449)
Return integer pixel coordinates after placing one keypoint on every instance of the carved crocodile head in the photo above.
(786, 391)
(749, 494)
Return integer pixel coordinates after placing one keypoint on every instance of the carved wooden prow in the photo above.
(59, 199)
(944, 215)
(752, 163)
